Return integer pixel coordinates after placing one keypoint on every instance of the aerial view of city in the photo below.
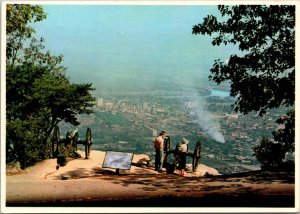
(129, 122)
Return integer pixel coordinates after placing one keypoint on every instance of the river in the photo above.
(219, 93)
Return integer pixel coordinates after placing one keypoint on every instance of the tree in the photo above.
(269, 154)
(262, 77)
(39, 94)
(17, 29)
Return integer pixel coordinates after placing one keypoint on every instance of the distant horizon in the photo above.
(131, 47)
(216, 91)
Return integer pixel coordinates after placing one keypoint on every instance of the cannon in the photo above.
(64, 148)
(195, 155)
(87, 143)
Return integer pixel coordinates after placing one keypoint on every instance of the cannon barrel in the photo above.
(72, 133)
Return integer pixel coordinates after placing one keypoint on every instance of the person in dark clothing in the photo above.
(182, 152)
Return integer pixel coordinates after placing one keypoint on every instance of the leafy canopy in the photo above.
(39, 94)
(262, 77)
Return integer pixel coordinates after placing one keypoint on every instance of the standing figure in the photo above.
(159, 151)
(182, 151)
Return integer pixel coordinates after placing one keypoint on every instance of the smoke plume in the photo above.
(207, 121)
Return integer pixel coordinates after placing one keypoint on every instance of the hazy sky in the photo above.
(129, 44)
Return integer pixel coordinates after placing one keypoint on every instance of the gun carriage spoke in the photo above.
(88, 143)
(55, 141)
(196, 155)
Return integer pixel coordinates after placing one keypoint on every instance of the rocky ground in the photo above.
(89, 185)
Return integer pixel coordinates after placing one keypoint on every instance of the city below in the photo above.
(130, 122)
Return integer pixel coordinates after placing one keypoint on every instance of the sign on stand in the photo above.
(117, 160)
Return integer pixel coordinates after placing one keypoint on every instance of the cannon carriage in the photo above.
(62, 149)
(195, 155)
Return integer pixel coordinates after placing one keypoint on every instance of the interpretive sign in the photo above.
(117, 160)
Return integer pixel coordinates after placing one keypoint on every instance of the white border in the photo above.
(3, 105)
(5, 209)
(297, 107)
(154, 2)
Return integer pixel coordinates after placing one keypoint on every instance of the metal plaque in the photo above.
(117, 160)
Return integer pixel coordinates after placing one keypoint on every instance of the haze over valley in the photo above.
(150, 73)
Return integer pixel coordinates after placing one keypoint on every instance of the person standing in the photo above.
(159, 151)
(182, 152)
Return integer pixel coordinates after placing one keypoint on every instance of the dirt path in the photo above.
(91, 185)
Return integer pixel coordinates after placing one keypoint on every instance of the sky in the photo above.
(124, 46)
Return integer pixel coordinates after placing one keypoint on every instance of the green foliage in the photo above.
(262, 77)
(109, 119)
(19, 15)
(18, 18)
(286, 135)
(39, 94)
(269, 154)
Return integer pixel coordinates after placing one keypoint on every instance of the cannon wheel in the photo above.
(196, 156)
(88, 143)
(75, 140)
(167, 144)
(55, 141)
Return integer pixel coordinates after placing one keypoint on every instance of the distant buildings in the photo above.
(146, 107)
(232, 116)
(109, 106)
(190, 104)
(100, 102)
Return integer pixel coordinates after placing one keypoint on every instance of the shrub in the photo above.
(270, 154)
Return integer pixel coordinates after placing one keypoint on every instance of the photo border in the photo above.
(5, 209)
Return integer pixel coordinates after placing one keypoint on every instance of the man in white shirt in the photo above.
(159, 151)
